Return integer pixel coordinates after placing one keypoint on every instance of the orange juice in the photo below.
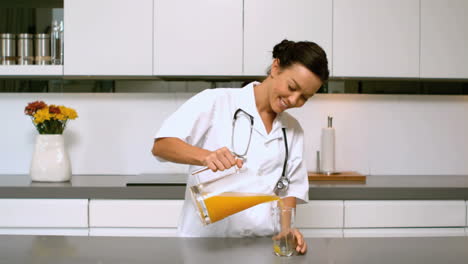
(228, 203)
(284, 244)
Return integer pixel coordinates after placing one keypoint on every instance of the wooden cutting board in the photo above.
(338, 176)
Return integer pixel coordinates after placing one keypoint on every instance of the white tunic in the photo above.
(205, 121)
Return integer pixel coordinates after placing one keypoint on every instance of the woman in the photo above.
(199, 133)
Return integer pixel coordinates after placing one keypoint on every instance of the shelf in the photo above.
(31, 70)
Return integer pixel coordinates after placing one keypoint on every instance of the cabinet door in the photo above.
(108, 37)
(53, 231)
(404, 232)
(201, 37)
(320, 214)
(369, 214)
(268, 22)
(376, 38)
(135, 213)
(444, 34)
(133, 231)
(44, 213)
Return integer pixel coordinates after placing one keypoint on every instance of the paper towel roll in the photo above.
(328, 150)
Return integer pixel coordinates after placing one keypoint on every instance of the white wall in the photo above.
(376, 134)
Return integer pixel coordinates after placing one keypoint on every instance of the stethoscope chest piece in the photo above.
(282, 184)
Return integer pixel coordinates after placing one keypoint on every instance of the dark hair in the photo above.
(307, 53)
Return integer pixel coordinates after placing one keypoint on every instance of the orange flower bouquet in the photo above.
(49, 119)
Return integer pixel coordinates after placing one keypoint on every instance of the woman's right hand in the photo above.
(221, 159)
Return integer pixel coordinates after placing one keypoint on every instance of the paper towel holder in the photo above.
(319, 170)
(326, 158)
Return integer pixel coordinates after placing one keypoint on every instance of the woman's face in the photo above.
(291, 87)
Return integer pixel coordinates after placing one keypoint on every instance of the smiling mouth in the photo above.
(283, 104)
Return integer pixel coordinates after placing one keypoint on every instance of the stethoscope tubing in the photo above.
(283, 182)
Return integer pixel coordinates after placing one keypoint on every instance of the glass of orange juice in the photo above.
(284, 241)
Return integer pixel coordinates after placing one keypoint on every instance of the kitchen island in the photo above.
(116, 250)
(150, 205)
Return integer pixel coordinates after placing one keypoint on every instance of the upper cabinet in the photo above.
(376, 38)
(444, 34)
(108, 37)
(268, 22)
(201, 37)
(362, 38)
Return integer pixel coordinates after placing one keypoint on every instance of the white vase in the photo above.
(50, 161)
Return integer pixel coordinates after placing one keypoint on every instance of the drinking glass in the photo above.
(284, 241)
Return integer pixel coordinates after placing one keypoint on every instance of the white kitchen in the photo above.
(397, 93)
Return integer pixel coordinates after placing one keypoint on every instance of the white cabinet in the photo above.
(376, 38)
(404, 232)
(161, 217)
(44, 212)
(444, 34)
(44, 216)
(368, 38)
(141, 217)
(320, 218)
(320, 214)
(134, 217)
(201, 37)
(108, 37)
(371, 214)
(268, 22)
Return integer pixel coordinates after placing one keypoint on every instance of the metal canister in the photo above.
(42, 49)
(7, 49)
(25, 49)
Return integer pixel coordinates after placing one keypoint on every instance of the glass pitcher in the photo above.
(226, 195)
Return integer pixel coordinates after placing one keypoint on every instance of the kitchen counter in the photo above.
(172, 186)
(82, 250)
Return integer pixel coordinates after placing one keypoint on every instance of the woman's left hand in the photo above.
(301, 247)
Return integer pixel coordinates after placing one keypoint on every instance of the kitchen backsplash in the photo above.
(375, 134)
(343, 86)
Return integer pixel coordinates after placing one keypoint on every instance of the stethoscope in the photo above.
(283, 182)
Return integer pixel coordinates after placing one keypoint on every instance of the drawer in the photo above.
(133, 232)
(405, 232)
(404, 214)
(134, 213)
(51, 231)
(58, 213)
(320, 214)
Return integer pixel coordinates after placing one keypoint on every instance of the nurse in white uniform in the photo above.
(199, 134)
